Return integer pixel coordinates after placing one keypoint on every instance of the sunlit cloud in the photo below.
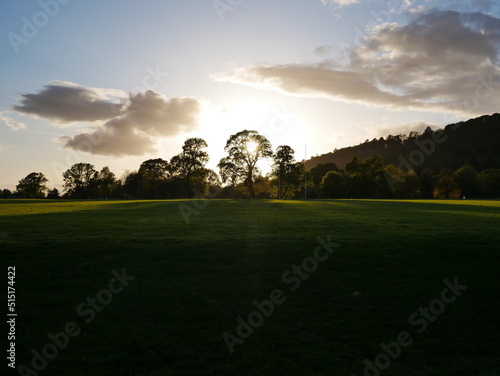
(144, 117)
(441, 61)
(339, 3)
(11, 123)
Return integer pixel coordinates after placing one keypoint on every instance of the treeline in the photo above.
(473, 142)
(238, 175)
(371, 178)
(184, 176)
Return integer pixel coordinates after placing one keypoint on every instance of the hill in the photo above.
(473, 142)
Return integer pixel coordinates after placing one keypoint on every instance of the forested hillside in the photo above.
(474, 142)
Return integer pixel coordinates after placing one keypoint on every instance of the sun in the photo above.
(251, 146)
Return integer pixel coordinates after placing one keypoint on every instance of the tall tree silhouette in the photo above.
(190, 163)
(33, 185)
(287, 171)
(244, 150)
(153, 175)
(79, 180)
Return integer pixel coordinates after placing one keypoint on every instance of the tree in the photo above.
(192, 160)
(427, 184)
(365, 178)
(467, 179)
(79, 180)
(490, 181)
(106, 183)
(131, 183)
(244, 150)
(6, 193)
(402, 182)
(230, 172)
(33, 185)
(53, 194)
(153, 175)
(446, 186)
(287, 171)
(320, 171)
(332, 185)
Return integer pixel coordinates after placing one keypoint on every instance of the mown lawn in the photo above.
(196, 281)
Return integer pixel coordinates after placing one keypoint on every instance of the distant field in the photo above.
(194, 282)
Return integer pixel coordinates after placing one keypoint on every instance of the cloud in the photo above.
(324, 51)
(143, 117)
(486, 6)
(339, 3)
(405, 129)
(66, 102)
(442, 61)
(11, 123)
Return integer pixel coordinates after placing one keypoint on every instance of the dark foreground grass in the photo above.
(194, 281)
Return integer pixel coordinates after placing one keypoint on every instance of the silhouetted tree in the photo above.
(490, 182)
(153, 176)
(131, 185)
(230, 172)
(446, 186)
(53, 194)
(332, 185)
(33, 185)
(402, 182)
(6, 193)
(317, 173)
(244, 150)
(467, 179)
(287, 171)
(427, 184)
(106, 183)
(79, 180)
(189, 164)
(366, 178)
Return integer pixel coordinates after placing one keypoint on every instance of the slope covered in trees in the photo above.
(474, 142)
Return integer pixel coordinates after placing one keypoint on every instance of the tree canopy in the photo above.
(244, 150)
(33, 185)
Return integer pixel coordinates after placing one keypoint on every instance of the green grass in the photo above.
(194, 280)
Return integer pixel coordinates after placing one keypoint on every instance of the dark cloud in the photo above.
(64, 102)
(440, 61)
(143, 117)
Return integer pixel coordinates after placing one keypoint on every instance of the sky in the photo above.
(114, 83)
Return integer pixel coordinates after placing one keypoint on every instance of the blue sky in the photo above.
(114, 83)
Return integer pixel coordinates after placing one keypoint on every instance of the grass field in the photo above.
(194, 282)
